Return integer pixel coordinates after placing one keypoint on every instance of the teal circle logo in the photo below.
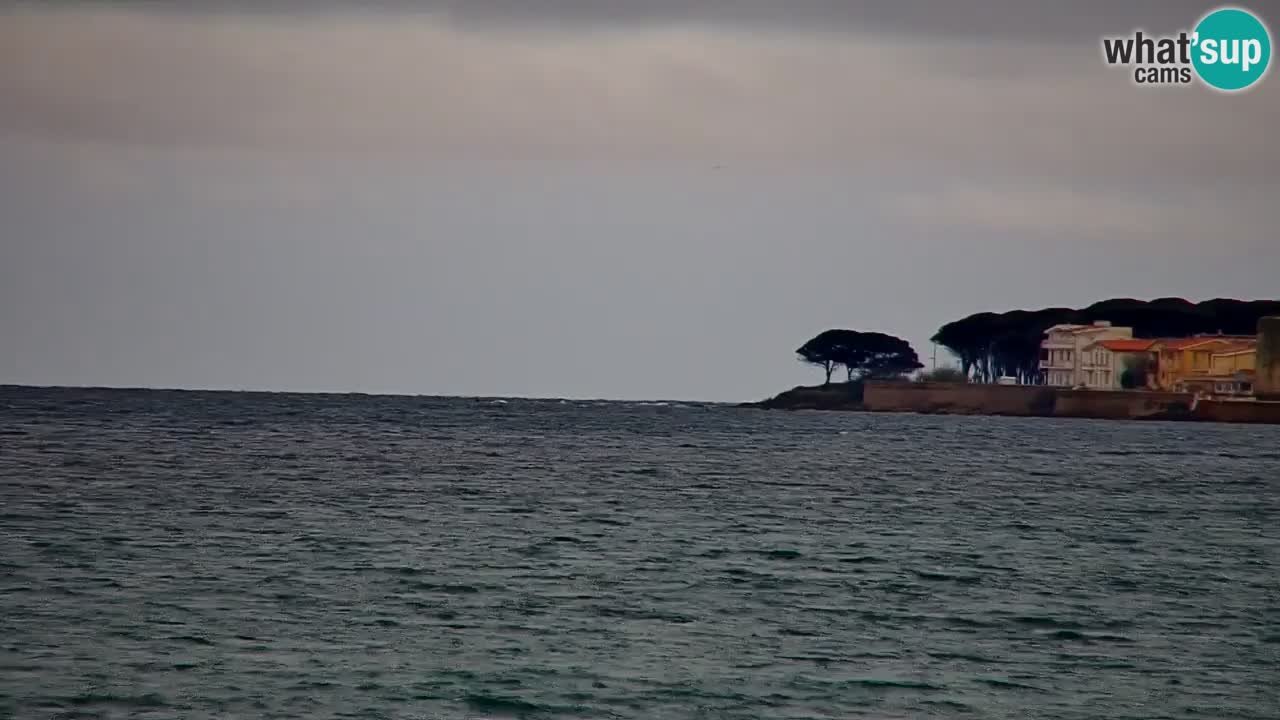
(1231, 49)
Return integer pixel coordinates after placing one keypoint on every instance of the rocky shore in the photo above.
(836, 396)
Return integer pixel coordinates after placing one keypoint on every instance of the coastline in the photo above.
(1019, 401)
(845, 397)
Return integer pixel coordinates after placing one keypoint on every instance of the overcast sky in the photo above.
(591, 199)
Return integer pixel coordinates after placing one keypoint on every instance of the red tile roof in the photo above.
(1184, 343)
(1237, 348)
(1124, 345)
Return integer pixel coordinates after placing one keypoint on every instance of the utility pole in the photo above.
(935, 356)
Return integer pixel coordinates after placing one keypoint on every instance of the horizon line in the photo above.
(261, 391)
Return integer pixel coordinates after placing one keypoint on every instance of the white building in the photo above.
(1062, 361)
(1103, 363)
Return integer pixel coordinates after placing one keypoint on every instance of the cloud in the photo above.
(429, 91)
(1007, 20)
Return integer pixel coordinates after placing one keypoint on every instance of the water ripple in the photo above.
(212, 555)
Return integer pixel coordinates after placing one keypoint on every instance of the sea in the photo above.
(173, 554)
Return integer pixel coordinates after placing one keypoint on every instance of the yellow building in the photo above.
(1215, 364)
(1243, 358)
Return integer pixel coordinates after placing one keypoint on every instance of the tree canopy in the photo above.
(1137, 369)
(862, 354)
(990, 345)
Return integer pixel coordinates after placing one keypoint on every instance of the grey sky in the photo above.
(606, 199)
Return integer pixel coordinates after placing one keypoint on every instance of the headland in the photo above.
(1020, 401)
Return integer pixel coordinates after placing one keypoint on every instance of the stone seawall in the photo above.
(958, 398)
(1120, 404)
(1041, 401)
(1229, 411)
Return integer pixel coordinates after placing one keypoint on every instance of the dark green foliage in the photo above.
(1136, 370)
(1130, 380)
(823, 351)
(862, 354)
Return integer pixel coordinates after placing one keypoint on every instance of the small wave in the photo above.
(193, 639)
(1002, 683)
(148, 700)
(950, 705)
(820, 660)
(447, 588)
(508, 706)
(1147, 451)
(639, 614)
(958, 621)
(944, 577)
(859, 559)
(965, 657)
(740, 574)
(1113, 638)
(1045, 621)
(602, 520)
(903, 684)
(782, 554)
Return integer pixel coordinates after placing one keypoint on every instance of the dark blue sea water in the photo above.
(219, 555)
